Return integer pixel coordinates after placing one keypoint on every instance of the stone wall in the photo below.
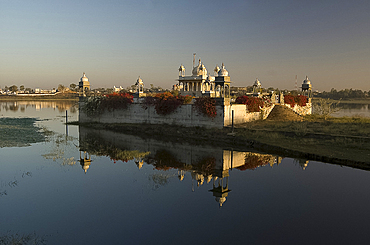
(185, 116)
(302, 110)
(241, 115)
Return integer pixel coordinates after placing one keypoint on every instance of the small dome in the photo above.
(306, 81)
(306, 85)
(223, 72)
(199, 70)
(257, 83)
(217, 69)
(84, 78)
(139, 81)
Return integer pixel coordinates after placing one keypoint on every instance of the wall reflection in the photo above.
(205, 164)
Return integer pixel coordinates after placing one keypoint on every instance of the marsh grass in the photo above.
(21, 239)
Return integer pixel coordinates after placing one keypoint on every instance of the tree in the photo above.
(73, 86)
(21, 87)
(326, 107)
(61, 88)
(13, 88)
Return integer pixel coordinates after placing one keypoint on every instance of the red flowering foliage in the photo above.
(301, 100)
(253, 103)
(116, 101)
(206, 106)
(291, 100)
(166, 103)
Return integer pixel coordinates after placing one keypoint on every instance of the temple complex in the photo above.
(201, 83)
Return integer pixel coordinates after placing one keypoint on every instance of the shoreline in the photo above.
(227, 139)
(71, 97)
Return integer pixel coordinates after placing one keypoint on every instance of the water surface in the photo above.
(101, 187)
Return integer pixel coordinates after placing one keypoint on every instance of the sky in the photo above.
(44, 43)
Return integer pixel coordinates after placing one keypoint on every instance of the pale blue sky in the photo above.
(44, 43)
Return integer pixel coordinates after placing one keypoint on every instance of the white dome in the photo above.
(306, 81)
(84, 78)
(139, 81)
(223, 72)
(217, 69)
(199, 70)
(257, 83)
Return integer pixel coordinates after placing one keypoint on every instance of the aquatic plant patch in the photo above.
(19, 132)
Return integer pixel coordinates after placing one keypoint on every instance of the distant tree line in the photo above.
(343, 94)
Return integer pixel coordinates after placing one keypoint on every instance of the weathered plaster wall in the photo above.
(302, 110)
(137, 113)
(241, 115)
(184, 116)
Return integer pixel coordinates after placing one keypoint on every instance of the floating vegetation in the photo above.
(21, 239)
(19, 132)
(4, 185)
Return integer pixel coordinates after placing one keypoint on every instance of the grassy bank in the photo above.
(344, 141)
(335, 139)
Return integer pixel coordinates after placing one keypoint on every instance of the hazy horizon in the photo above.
(46, 43)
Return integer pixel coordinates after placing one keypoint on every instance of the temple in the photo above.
(201, 83)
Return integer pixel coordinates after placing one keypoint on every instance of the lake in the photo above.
(86, 186)
(352, 109)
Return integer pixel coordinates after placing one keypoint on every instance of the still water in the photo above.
(84, 186)
(362, 110)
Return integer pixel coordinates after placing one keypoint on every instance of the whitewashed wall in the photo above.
(183, 116)
(301, 110)
(136, 113)
(241, 115)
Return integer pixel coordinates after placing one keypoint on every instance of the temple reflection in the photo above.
(221, 186)
(85, 160)
(204, 164)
